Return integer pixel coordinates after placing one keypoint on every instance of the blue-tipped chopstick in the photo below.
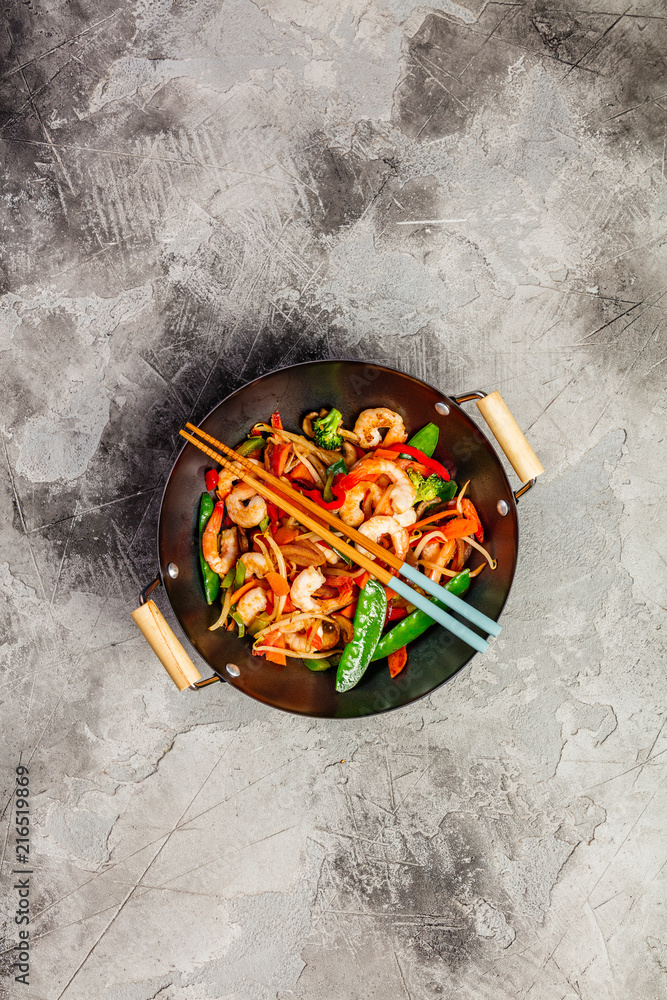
(280, 494)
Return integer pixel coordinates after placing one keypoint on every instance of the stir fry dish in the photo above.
(297, 596)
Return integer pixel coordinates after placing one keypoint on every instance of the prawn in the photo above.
(306, 583)
(351, 511)
(369, 422)
(229, 476)
(402, 493)
(376, 527)
(246, 515)
(406, 518)
(251, 604)
(220, 549)
(255, 564)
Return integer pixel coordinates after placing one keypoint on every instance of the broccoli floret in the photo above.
(325, 431)
(434, 489)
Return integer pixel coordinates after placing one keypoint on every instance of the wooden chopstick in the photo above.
(285, 504)
(419, 579)
(379, 572)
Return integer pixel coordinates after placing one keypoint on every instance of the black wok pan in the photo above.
(350, 386)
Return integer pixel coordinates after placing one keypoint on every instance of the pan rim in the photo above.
(511, 515)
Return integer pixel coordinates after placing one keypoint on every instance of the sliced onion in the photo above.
(297, 656)
(310, 465)
(441, 569)
(428, 537)
(480, 548)
(460, 497)
(227, 603)
(328, 457)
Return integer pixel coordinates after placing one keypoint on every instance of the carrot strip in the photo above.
(278, 584)
(349, 611)
(433, 517)
(459, 528)
(239, 593)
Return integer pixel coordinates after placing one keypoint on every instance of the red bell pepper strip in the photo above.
(274, 516)
(397, 659)
(211, 479)
(430, 463)
(395, 614)
(338, 492)
(276, 421)
(279, 456)
(469, 511)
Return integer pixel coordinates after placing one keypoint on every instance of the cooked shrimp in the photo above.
(247, 515)
(229, 476)
(379, 526)
(406, 518)
(351, 511)
(306, 583)
(255, 564)
(369, 422)
(251, 604)
(220, 549)
(403, 492)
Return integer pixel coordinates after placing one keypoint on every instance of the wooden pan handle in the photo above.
(510, 437)
(165, 645)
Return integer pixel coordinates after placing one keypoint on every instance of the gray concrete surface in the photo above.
(194, 193)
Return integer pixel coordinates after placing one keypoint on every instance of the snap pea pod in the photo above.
(368, 624)
(416, 623)
(426, 439)
(210, 579)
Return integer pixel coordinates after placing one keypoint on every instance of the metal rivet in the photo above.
(502, 507)
(172, 570)
(232, 669)
(443, 409)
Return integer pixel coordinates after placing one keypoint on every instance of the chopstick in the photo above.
(383, 575)
(420, 579)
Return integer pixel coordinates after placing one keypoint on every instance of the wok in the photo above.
(350, 386)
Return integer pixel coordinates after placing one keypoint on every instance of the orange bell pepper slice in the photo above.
(283, 536)
(279, 641)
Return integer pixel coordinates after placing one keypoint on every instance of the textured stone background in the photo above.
(197, 192)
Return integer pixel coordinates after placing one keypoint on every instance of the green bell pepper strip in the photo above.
(239, 621)
(210, 578)
(229, 578)
(426, 440)
(317, 665)
(250, 445)
(239, 575)
(368, 624)
(418, 621)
